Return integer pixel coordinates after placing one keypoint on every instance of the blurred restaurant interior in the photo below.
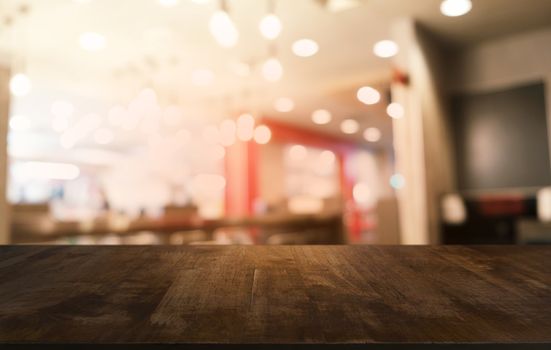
(275, 122)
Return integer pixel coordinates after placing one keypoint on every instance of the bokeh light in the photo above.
(262, 135)
(368, 95)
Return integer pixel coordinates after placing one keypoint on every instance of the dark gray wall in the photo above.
(501, 139)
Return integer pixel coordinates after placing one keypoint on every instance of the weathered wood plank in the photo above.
(306, 295)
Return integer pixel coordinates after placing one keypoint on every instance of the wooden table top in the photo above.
(347, 296)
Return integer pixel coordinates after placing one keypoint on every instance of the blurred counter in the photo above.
(33, 224)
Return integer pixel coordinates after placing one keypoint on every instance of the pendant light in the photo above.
(20, 83)
(272, 70)
(222, 27)
(270, 26)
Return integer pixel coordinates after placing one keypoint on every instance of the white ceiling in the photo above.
(148, 45)
(489, 19)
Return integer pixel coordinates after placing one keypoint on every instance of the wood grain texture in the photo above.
(305, 295)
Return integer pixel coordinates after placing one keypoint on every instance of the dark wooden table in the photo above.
(337, 297)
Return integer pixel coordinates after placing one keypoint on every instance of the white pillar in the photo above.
(422, 140)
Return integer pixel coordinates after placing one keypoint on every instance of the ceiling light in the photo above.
(395, 110)
(321, 117)
(284, 105)
(104, 136)
(223, 29)
(372, 134)
(272, 70)
(20, 85)
(19, 123)
(350, 126)
(305, 47)
(262, 135)
(91, 41)
(270, 27)
(202, 77)
(455, 8)
(341, 5)
(169, 3)
(385, 48)
(368, 95)
(245, 127)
